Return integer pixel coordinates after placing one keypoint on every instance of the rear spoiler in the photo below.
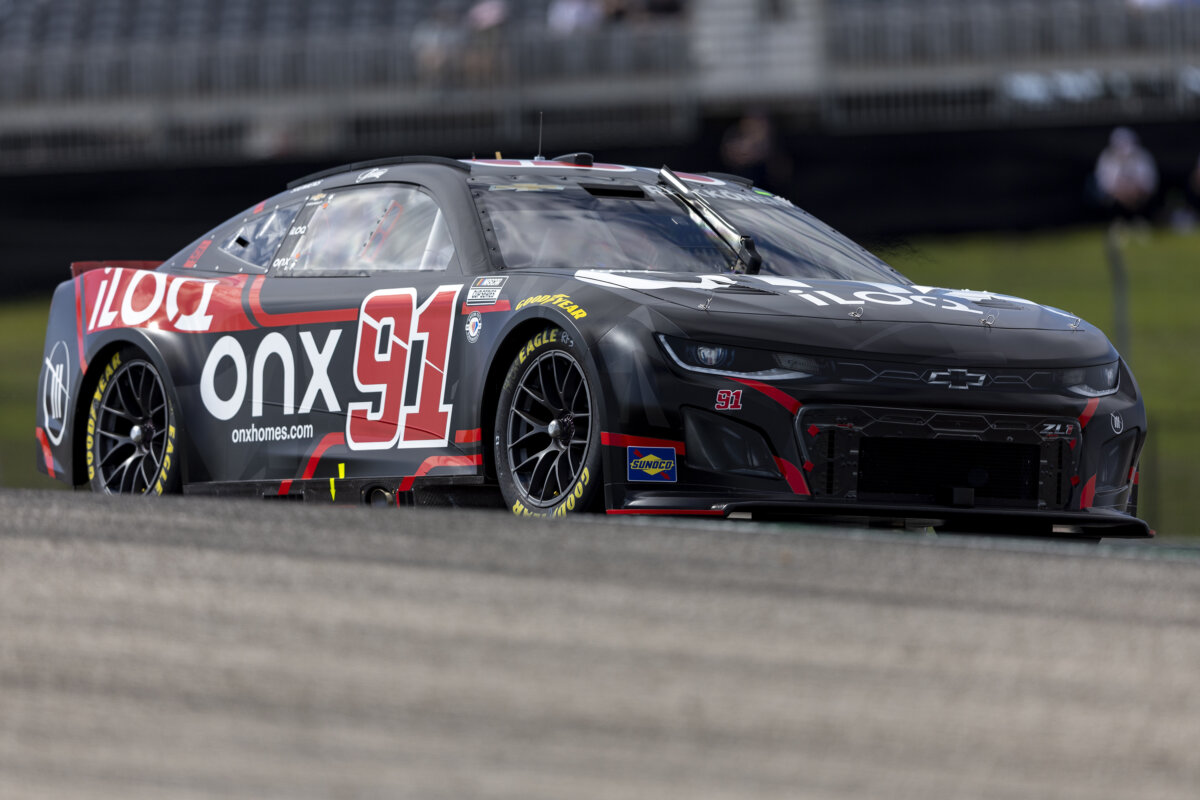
(80, 267)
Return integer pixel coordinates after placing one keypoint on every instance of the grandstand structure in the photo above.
(112, 83)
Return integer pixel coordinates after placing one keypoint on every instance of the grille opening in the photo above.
(931, 470)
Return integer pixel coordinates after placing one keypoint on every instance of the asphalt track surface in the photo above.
(198, 648)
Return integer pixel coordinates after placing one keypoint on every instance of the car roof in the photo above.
(560, 167)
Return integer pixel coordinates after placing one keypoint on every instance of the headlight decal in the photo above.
(1096, 381)
(737, 362)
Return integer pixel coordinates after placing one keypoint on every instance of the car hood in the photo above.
(772, 295)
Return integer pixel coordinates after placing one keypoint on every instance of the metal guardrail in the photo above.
(914, 33)
(178, 70)
(914, 64)
(179, 102)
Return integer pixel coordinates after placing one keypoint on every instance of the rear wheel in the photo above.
(547, 444)
(131, 429)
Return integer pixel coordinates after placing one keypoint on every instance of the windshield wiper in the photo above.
(748, 260)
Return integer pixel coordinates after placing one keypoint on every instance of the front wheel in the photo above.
(131, 429)
(547, 443)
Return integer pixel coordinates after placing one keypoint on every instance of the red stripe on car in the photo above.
(45, 442)
(328, 441)
(499, 305)
(1088, 495)
(783, 398)
(693, 512)
(1088, 412)
(794, 476)
(79, 325)
(440, 461)
(621, 440)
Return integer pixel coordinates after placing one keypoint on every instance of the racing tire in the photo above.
(132, 430)
(547, 442)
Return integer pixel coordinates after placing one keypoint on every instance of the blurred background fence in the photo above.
(113, 82)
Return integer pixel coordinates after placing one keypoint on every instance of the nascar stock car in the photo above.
(563, 335)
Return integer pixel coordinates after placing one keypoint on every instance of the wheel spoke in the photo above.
(127, 390)
(140, 395)
(536, 432)
(118, 413)
(563, 458)
(112, 450)
(142, 473)
(554, 379)
(532, 457)
(541, 400)
(118, 395)
(124, 468)
(529, 418)
(539, 494)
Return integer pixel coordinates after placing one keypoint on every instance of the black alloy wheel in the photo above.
(547, 452)
(131, 442)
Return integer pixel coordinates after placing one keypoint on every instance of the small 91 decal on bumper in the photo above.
(651, 464)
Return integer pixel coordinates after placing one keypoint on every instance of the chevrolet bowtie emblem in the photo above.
(956, 378)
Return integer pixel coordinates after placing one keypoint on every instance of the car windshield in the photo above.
(628, 226)
(793, 242)
(555, 226)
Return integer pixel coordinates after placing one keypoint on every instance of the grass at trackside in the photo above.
(1070, 270)
(1064, 269)
(22, 331)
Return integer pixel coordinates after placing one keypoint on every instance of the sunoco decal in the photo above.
(651, 464)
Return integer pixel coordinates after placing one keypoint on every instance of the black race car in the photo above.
(571, 336)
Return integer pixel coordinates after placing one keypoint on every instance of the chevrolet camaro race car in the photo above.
(561, 336)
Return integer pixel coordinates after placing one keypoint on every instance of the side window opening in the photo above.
(366, 230)
(260, 234)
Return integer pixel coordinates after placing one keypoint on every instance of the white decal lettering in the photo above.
(223, 408)
(132, 317)
(319, 359)
(273, 343)
(199, 319)
(884, 297)
(108, 314)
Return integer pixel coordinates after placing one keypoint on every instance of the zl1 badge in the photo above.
(651, 464)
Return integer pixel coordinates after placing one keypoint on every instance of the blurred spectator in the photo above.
(437, 42)
(565, 17)
(616, 10)
(1126, 177)
(484, 56)
(749, 149)
(663, 8)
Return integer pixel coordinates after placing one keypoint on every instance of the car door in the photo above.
(360, 301)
